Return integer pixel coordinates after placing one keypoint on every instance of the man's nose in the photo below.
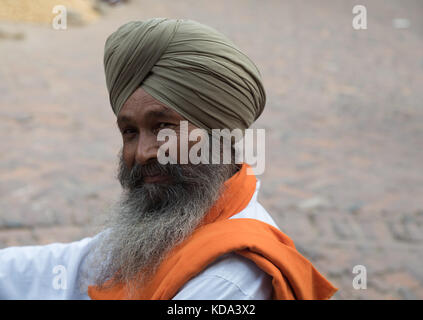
(146, 149)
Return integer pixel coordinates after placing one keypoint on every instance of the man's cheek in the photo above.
(167, 153)
(128, 156)
(186, 144)
(199, 148)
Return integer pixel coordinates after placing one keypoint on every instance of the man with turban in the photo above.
(179, 231)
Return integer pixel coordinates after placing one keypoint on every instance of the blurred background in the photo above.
(343, 120)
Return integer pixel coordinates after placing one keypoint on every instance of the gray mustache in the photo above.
(134, 177)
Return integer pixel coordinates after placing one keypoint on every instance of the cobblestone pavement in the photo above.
(343, 120)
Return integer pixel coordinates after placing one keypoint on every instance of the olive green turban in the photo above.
(187, 66)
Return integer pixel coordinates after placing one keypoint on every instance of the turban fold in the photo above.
(189, 67)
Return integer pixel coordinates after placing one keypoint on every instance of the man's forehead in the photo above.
(154, 109)
(142, 103)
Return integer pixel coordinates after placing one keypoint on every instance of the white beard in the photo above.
(149, 220)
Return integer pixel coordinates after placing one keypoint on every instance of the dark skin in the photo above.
(139, 121)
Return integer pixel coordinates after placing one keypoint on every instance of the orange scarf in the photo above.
(294, 277)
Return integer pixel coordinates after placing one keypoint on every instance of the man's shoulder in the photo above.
(233, 276)
(254, 210)
(230, 277)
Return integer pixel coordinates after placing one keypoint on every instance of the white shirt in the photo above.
(51, 271)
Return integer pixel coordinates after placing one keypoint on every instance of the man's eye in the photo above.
(164, 125)
(128, 131)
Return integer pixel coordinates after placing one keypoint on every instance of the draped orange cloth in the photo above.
(293, 276)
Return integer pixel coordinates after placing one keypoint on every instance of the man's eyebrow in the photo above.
(161, 112)
(123, 119)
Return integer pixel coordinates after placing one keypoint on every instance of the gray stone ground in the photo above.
(344, 132)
